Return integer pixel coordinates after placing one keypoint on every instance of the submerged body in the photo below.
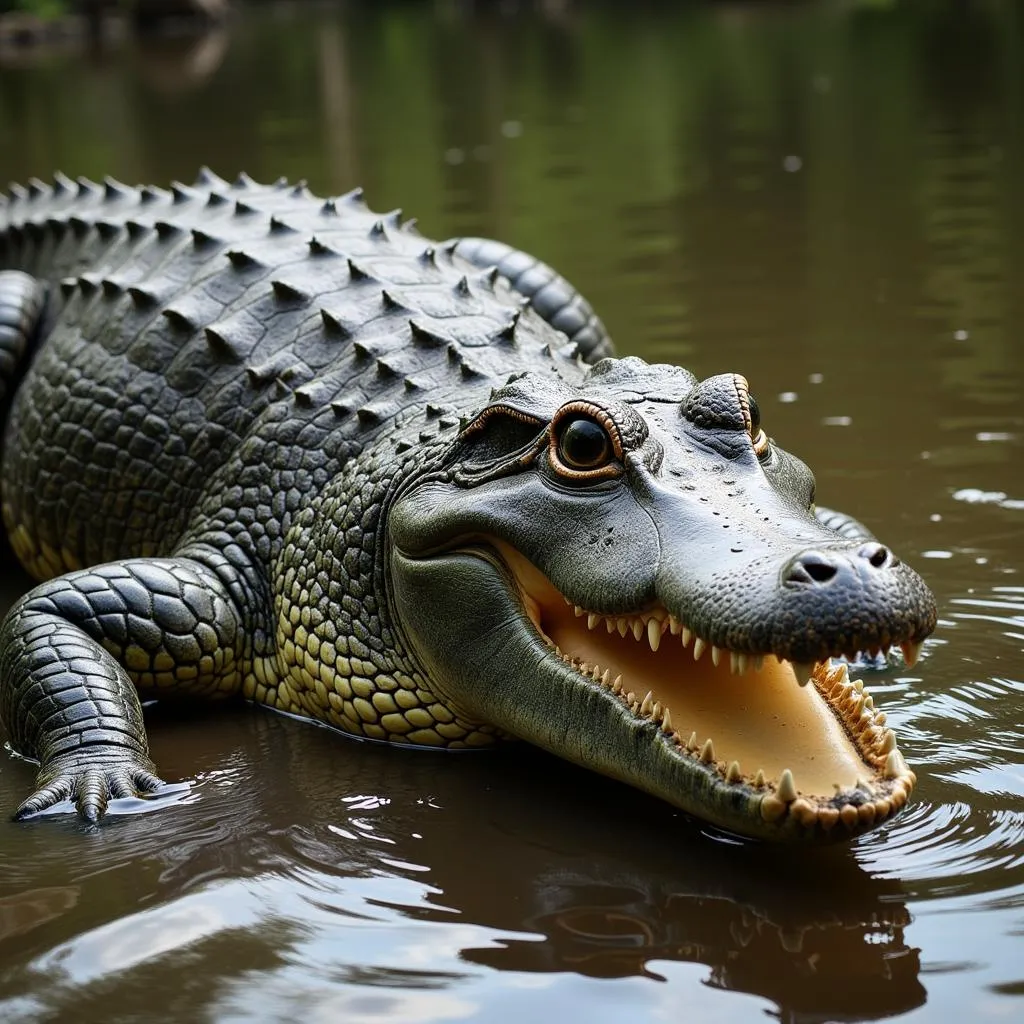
(285, 449)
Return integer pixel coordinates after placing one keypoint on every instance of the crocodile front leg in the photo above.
(75, 651)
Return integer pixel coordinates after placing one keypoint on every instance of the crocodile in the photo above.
(264, 445)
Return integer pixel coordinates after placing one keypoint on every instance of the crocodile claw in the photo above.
(91, 784)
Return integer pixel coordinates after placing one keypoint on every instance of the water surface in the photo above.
(826, 198)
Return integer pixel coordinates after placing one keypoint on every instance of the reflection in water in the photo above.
(295, 838)
(824, 197)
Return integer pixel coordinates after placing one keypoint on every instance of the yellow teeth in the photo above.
(786, 789)
(855, 805)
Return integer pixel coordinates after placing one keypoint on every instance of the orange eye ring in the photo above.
(584, 443)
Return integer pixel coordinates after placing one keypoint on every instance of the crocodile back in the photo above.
(232, 346)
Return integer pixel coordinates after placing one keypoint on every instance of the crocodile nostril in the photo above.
(878, 555)
(811, 567)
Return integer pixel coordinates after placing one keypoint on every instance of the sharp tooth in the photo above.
(609, 624)
(869, 701)
(865, 786)
(716, 655)
(858, 685)
(691, 743)
(895, 766)
(881, 718)
(596, 673)
(698, 648)
(666, 721)
(759, 663)
(734, 774)
(803, 670)
(579, 611)
(759, 779)
(558, 651)
(606, 679)
(888, 741)
(648, 703)
(638, 628)
(707, 752)
(858, 707)
(584, 668)
(674, 625)
(654, 633)
(687, 636)
(734, 663)
(622, 626)
(631, 697)
(656, 712)
(617, 685)
(786, 789)
(593, 620)
(911, 652)
(743, 662)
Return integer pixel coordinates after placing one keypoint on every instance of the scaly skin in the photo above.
(289, 450)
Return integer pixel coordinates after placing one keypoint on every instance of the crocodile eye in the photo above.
(584, 444)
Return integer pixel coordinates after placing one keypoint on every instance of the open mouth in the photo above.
(817, 756)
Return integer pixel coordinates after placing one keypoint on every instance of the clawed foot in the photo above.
(91, 782)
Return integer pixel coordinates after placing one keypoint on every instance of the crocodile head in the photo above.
(630, 574)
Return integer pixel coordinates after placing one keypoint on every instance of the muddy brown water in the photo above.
(827, 198)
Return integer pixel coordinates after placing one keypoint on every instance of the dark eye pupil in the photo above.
(583, 445)
(755, 416)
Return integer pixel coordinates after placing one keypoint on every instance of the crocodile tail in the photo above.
(554, 298)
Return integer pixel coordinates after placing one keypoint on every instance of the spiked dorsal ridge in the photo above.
(288, 292)
(356, 272)
(178, 319)
(425, 336)
(207, 179)
(114, 190)
(149, 194)
(333, 326)
(241, 260)
(142, 298)
(219, 343)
